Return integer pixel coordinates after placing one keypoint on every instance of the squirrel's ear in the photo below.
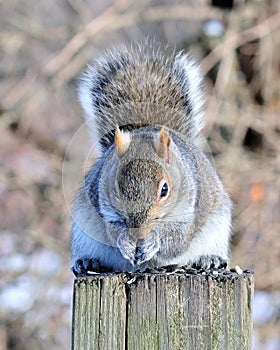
(122, 141)
(162, 143)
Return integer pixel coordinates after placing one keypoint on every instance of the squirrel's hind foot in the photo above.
(207, 262)
(87, 266)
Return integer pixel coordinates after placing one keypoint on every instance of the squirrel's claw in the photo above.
(80, 267)
(207, 262)
(84, 267)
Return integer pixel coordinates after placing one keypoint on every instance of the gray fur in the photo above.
(140, 86)
(119, 221)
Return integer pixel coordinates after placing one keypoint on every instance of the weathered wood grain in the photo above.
(161, 311)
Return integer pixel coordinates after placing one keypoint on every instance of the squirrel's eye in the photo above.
(164, 190)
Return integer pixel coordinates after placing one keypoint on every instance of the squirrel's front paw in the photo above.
(207, 262)
(84, 267)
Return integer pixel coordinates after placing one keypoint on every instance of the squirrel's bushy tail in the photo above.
(139, 86)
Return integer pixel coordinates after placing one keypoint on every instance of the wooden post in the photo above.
(163, 311)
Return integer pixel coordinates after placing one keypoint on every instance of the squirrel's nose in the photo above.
(137, 220)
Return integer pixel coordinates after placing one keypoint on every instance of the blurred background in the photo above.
(44, 45)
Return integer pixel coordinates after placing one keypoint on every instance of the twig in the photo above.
(111, 20)
(72, 68)
(239, 39)
(80, 39)
(21, 90)
(32, 30)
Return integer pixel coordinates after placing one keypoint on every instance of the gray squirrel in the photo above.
(152, 198)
